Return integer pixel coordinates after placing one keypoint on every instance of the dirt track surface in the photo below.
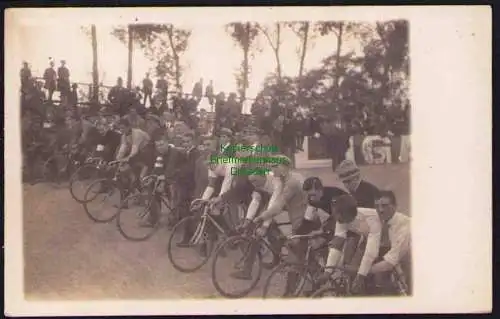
(67, 256)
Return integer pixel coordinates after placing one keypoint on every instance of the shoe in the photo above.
(242, 275)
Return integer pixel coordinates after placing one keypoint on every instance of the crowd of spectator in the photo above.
(282, 125)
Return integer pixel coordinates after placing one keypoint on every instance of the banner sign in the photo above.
(366, 150)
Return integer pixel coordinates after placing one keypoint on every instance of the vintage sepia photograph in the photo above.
(236, 159)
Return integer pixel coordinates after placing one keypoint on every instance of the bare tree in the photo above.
(162, 43)
(130, 55)
(95, 67)
(245, 36)
(273, 37)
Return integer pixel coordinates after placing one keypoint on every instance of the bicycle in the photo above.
(254, 248)
(339, 283)
(158, 193)
(205, 229)
(305, 272)
(59, 166)
(92, 168)
(109, 186)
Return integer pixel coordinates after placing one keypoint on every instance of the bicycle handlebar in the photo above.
(341, 268)
(307, 236)
(116, 162)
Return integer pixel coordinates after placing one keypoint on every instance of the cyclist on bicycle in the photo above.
(319, 204)
(365, 194)
(261, 188)
(109, 139)
(137, 149)
(364, 222)
(288, 195)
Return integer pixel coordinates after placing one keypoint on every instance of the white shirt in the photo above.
(367, 222)
(400, 238)
(223, 170)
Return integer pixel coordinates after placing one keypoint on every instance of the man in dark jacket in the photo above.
(115, 95)
(50, 77)
(337, 144)
(147, 88)
(63, 83)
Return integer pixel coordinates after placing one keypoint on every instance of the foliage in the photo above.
(345, 82)
(162, 44)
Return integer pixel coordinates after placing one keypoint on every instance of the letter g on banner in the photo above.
(375, 151)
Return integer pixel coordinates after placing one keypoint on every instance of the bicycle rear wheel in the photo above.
(233, 254)
(189, 252)
(81, 179)
(102, 210)
(134, 219)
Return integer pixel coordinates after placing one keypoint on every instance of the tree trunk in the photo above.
(130, 50)
(338, 65)
(246, 50)
(380, 28)
(95, 69)
(170, 33)
(303, 57)
(304, 49)
(277, 50)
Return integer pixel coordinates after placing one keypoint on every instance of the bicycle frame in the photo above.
(201, 226)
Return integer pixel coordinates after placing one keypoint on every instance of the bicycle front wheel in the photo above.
(81, 179)
(190, 245)
(102, 200)
(237, 266)
(287, 281)
(138, 217)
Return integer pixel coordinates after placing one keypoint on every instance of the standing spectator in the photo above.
(147, 88)
(336, 143)
(26, 78)
(50, 78)
(162, 87)
(198, 90)
(209, 93)
(115, 95)
(288, 139)
(73, 96)
(63, 83)
(299, 126)
(233, 106)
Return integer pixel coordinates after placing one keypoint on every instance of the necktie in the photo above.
(385, 240)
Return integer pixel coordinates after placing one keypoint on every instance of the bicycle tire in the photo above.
(179, 226)
(73, 179)
(302, 272)
(87, 201)
(321, 292)
(120, 218)
(224, 246)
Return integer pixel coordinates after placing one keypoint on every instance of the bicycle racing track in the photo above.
(69, 257)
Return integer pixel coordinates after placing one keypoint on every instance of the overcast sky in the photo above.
(212, 55)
